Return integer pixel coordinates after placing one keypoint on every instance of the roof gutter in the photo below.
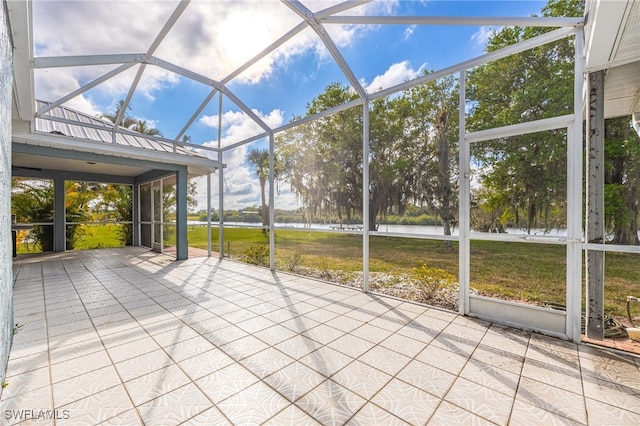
(202, 164)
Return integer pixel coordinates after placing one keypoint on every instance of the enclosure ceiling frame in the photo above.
(319, 29)
(152, 48)
(84, 88)
(519, 47)
(86, 60)
(454, 20)
(316, 22)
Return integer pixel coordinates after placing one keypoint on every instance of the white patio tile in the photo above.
(152, 385)
(409, 403)
(226, 382)
(79, 387)
(205, 363)
(237, 345)
(78, 366)
(174, 407)
(330, 403)
(294, 380)
(362, 379)
(254, 405)
(143, 364)
(481, 400)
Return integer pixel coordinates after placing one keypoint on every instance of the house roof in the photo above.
(613, 44)
(66, 129)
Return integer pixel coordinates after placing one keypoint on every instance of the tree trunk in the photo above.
(265, 212)
(626, 234)
(444, 183)
(373, 215)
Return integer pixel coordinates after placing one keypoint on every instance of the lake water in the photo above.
(391, 229)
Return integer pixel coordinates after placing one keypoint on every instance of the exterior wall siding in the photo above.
(6, 249)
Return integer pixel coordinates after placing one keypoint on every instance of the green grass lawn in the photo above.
(99, 236)
(534, 273)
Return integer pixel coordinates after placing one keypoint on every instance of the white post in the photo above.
(464, 166)
(365, 196)
(220, 183)
(209, 215)
(574, 197)
(221, 207)
(272, 215)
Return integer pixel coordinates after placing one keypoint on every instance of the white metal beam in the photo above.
(209, 215)
(127, 99)
(492, 56)
(313, 22)
(86, 60)
(290, 34)
(454, 20)
(272, 198)
(464, 197)
(210, 82)
(147, 57)
(22, 36)
(167, 26)
(197, 113)
(347, 105)
(273, 46)
(340, 7)
(519, 129)
(522, 46)
(366, 220)
(574, 196)
(84, 88)
(245, 141)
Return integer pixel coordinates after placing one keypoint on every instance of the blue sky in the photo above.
(214, 37)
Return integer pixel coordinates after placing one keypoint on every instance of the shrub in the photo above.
(435, 286)
(293, 262)
(256, 255)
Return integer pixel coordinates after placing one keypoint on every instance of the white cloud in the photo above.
(212, 38)
(482, 36)
(241, 184)
(396, 74)
(408, 32)
(237, 126)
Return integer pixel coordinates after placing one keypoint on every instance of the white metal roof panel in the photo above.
(82, 126)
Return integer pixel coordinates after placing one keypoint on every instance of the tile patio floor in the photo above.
(126, 336)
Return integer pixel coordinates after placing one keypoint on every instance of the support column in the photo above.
(182, 242)
(595, 207)
(220, 182)
(135, 214)
(221, 207)
(209, 215)
(575, 152)
(464, 166)
(272, 215)
(366, 220)
(59, 216)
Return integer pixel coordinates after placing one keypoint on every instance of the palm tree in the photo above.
(259, 161)
(127, 120)
(141, 127)
(130, 122)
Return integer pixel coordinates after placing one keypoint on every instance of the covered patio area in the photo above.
(129, 336)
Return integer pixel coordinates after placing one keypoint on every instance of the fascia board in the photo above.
(56, 141)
